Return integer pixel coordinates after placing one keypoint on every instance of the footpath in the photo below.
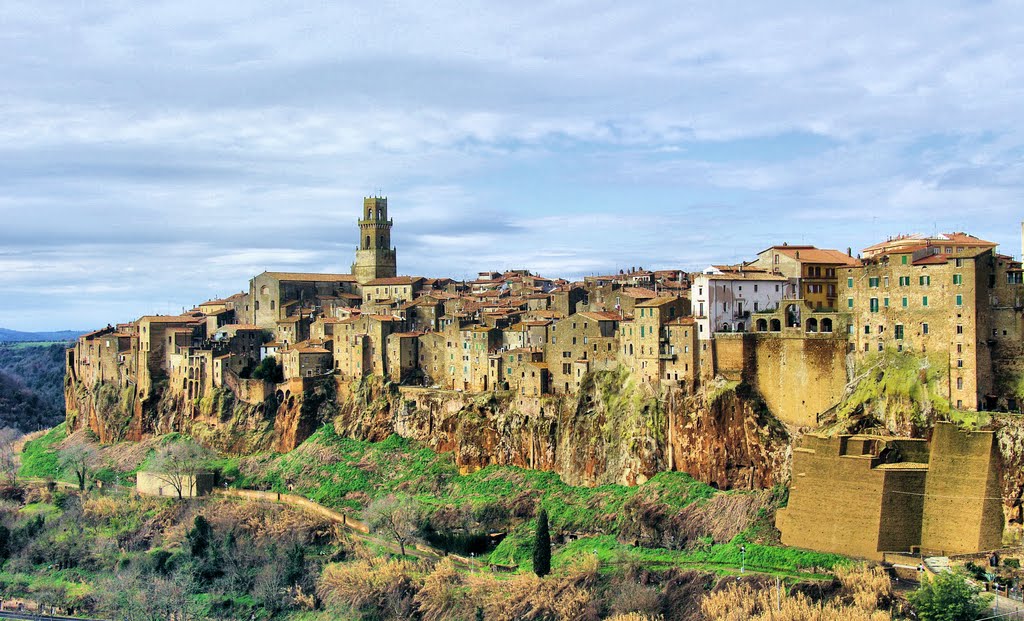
(358, 527)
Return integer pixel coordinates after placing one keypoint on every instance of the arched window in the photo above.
(741, 327)
(367, 242)
(826, 325)
(264, 290)
(812, 325)
(776, 325)
(762, 325)
(792, 316)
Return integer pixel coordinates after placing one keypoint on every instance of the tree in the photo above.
(269, 370)
(394, 516)
(199, 537)
(179, 465)
(948, 597)
(8, 461)
(542, 546)
(79, 459)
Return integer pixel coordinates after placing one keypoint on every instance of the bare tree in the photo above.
(394, 516)
(8, 454)
(179, 465)
(79, 459)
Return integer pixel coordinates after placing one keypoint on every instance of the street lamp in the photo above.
(743, 558)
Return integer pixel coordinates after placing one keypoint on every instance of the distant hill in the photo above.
(31, 386)
(14, 336)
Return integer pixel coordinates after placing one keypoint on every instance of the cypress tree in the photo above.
(542, 546)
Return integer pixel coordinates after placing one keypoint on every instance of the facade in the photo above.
(724, 300)
(812, 272)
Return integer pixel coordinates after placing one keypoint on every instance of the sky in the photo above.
(154, 155)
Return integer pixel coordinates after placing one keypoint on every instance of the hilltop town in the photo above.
(953, 295)
(609, 379)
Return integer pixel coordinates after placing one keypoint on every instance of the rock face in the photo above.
(612, 431)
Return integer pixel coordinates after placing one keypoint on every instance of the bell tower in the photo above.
(375, 258)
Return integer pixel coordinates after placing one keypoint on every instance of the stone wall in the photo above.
(963, 511)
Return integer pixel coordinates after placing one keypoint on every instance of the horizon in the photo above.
(161, 155)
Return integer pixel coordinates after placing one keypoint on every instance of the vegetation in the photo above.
(270, 370)
(31, 386)
(542, 546)
(949, 597)
(179, 463)
(900, 391)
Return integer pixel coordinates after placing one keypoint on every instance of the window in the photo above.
(849, 283)
(899, 332)
(958, 262)
(958, 279)
(904, 281)
(924, 281)
(867, 329)
(849, 302)
(904, 302)
(959, 329)
(903, 259)
(924, 328)
(873, 281)
(959, 364)
(959, 300)
(924, 301)
(885, 302)
(959, 383)
(879, 346)
(874, 305)
(959, 348)
(886, 282)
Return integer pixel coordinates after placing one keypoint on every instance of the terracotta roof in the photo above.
(382, 317)
(407, 334)
(638, 292)
(810, 254)
(311, 350)
(745, 276)
(239, 326)
(601, 316)
(658, 301)
(168, 319)
(932, 259)
(309, 277)
(291, 319)
(395, 280)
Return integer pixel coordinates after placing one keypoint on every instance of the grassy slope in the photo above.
(344, 474)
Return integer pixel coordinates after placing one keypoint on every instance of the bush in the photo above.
(948, 597)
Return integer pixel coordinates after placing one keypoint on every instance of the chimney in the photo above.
(849, 251)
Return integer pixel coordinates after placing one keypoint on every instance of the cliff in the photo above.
(611, 431)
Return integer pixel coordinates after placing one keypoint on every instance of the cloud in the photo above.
(151, 155)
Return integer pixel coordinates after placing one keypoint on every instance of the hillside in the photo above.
(15, 336)
(32, 391)
(665, 549)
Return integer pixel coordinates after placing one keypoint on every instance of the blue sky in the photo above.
(153, 155)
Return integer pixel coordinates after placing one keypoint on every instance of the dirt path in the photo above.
(359, 527)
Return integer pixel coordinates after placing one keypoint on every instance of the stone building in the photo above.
(375, 258)
(811, 271)
(864, 495)
(929, 301)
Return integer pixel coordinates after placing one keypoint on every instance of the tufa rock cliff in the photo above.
(612, 431)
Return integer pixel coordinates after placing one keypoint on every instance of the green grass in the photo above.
(39, 459)
(723, 558)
